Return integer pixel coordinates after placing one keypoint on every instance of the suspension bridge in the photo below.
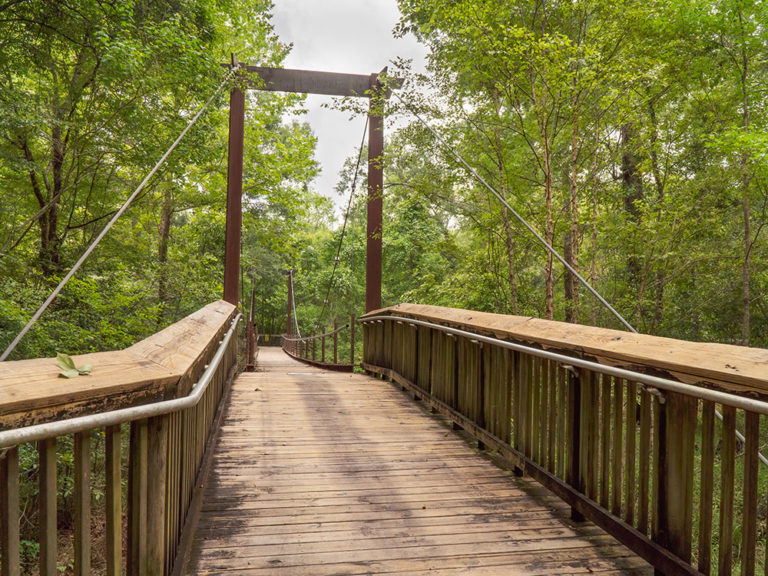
(472, 443)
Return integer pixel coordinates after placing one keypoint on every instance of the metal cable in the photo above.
(522, 220)
(109, 225)
(346, 217)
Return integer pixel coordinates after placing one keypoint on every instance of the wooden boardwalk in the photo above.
(322, 473)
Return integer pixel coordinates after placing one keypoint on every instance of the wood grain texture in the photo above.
(327, 473)
(720, 366)
(154, 369)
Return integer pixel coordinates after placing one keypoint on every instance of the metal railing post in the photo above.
(335, 342)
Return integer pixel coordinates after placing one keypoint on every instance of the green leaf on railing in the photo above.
(65, 362)
(68, 368)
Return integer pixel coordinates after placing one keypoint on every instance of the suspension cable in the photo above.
(114, 219)
(522, 220)
(346, 217)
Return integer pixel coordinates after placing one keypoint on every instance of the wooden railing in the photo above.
(622, 427)
(325, 350)
(158, 401)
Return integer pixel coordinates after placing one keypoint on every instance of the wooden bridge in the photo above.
(575, 450)
(318, 472)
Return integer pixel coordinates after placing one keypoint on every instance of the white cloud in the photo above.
(351, 36)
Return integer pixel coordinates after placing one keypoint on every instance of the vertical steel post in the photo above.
(289, 324)
(335, 342)
(234, 194)
(375, 189)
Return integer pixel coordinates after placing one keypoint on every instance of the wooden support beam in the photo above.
(308, 81)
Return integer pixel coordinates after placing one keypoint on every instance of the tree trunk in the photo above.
(593, 259)
(745, 179)
(510, 244)
(164, 232)
(549, 235)
(571, 239)
(632, 187)
(659, 180)
(509, 235)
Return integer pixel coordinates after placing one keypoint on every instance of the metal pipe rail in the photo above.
(642, 456)
(166, 442)
(654, 382)
(305, 348)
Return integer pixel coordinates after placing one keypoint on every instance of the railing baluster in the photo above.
(593, 450)
(645, 454)
(137, 497)
(481, 400)
(453, 370)
(706, 503)
(586, 456)
(114, 501)
(553, 415)
(157, 462)
(48, 549)
(541, 399)
(605, 440)
(573, 472)
(83, 503)
(505, 400)
(524, 413)
(517, 402)
(677, 418)
(562, 420)
(749, 514)
(10, 561)
(630, 458)
(727, 476)
(618, 386)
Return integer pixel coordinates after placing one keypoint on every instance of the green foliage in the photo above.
(91, 95)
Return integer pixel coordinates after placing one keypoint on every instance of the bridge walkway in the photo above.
(318, 472)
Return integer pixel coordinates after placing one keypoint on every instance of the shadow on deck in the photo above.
(325, 473)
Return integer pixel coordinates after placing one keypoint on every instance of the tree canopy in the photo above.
(631, 134)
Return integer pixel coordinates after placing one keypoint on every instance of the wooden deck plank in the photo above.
(327, 473)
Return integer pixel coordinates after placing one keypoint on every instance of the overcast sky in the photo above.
(352, 36)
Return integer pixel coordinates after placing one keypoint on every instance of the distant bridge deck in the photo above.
(326, 473)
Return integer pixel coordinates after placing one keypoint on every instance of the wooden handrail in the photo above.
(723, 367)
(625, 454)
(166, 447)
(161, 367)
